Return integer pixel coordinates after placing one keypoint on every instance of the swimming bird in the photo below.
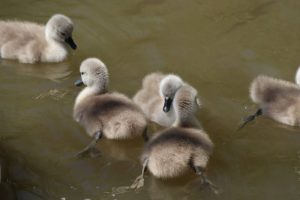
(277, 99)
(105, 114)
(29, 42)
(184, 147)
(156, 97)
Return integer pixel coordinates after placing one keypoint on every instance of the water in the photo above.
(217, 46)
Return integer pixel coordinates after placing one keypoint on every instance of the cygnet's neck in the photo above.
(54, 51)
(184, 118)
(87, 92)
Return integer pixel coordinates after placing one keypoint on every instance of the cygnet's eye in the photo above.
(82, 73)
(63, 34)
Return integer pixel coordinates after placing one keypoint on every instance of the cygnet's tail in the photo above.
(264, 89)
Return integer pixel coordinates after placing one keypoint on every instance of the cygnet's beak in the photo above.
(167, 104)
(78, 83)
(71, 42)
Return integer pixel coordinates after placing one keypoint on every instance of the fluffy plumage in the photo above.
(297, 77)
(111, 114)
(29, 42)
(172, 152)
(184, 147)
(176, 150)
(156, 97)
(278, 99)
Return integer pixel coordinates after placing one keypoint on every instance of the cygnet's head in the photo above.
(93, 74)
(186, 102)
(167, 88)
(298, 76)
(60, 28)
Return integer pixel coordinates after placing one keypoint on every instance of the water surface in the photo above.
(217, 46)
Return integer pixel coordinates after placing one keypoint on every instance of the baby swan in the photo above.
(102, 113)
(156, 97)
(30, 42)
(183, 147)
(277, 99)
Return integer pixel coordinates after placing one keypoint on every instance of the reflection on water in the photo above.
(243, 17)
(54, 72)
(218, 47)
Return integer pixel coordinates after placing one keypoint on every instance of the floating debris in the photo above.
(119, 190)
(54, 94)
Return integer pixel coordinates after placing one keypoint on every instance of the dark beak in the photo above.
(71, 42)
(167, 104)
(78, 83)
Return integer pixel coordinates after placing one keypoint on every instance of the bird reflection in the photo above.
(55, 72)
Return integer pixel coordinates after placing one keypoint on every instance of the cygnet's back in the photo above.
(12, 30)
(150, 89)
(156, 97)
(114, 113)
(278, 99)
(177, 150)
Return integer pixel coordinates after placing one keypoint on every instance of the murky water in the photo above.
(217, 46)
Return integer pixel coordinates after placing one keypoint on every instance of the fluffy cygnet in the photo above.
(30, 42)
(277, 99)
(174, 151)
(156, 97)
(101, 113)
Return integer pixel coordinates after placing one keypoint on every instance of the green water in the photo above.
(217, 46)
